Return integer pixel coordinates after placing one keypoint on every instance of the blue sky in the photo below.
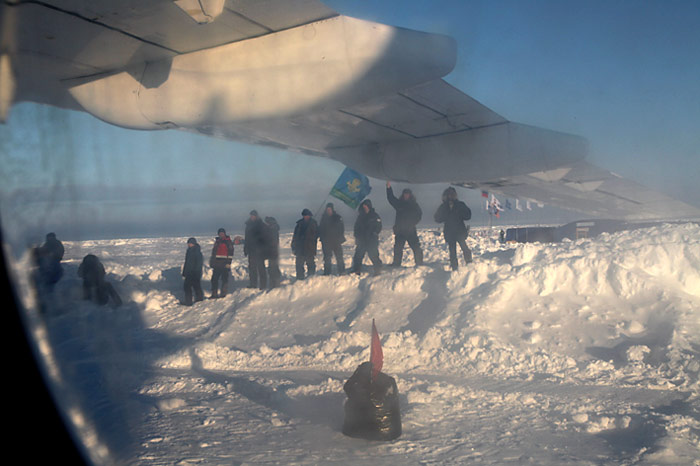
(624, 74)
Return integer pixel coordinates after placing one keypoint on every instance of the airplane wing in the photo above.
(380, 137)
(51, 42)
(296, 75)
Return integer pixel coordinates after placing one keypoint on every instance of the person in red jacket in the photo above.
(220, 262)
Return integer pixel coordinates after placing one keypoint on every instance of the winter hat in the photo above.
(254, 212)
(221, 230)
(191, 241)
(407, 191)
(330, 204)
(306, 212)
(449, 194)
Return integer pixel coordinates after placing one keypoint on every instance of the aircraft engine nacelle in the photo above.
(322, 65)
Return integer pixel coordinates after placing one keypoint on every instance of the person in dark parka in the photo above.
(272, 251)
(304, 244)
(254, 248)
(48, 260)
(408, 214)
(366, 232)
(93, 274)
(331, 231)
(372, 409)
(220, 262)
(453, 213)
(192, 271)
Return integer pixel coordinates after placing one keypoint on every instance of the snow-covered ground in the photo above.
(583, 352)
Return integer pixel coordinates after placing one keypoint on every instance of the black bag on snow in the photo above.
(372, 409)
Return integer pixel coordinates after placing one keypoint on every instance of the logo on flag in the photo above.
(485, 194)
(351, 188)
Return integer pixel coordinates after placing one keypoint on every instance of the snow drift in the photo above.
(583, 352)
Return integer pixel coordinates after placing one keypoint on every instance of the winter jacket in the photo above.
(193, 263)
(222, 252)
(48, 258)
(52, 250)
(91, 269)
(271, 249)
(254, 237)
(305, 238)
(408, 212)
(331, 231)
(453, 214)
(367, 226)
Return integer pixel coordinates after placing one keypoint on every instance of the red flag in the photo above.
(376, 356)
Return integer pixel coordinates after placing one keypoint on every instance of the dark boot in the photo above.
(398, 256)
(418, 256)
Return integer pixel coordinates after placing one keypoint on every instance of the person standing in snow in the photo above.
(408, 214)
(331, 231)
(48, 260)
(272, 251)
(304, 243)
(220, 262)
(453, 213)
(192, 271)
(366, 231)
(254, 248)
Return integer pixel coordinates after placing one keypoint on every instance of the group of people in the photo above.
(261, 243)
(47, 259)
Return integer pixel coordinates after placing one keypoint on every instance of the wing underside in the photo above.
(394, 124)
(434, 110)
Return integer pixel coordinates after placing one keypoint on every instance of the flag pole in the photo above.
(325, 201)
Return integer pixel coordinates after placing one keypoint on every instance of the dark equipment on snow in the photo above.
(372, 409)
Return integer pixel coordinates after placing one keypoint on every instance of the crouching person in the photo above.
(192, 271)
(372, 408)
(220, 262)
(95, 287)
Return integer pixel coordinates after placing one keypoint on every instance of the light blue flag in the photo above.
(351, 187)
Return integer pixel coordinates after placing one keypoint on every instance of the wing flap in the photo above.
(429, 109)
(163, 23)
(459, 110)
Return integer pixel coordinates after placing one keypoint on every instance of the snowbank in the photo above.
(575, 338)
